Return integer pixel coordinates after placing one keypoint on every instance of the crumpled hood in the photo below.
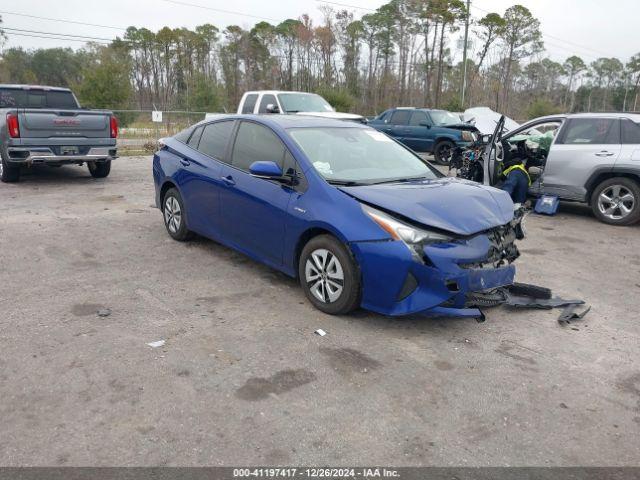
(336, 115)
(451, 204)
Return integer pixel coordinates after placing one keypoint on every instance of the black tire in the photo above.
(443, 152)
(8, 173)
(624, 194)
(174, 218)
(99, 169)
(348, 298)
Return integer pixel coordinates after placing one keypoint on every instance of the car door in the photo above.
(394, 127)
(254, 210)
(582, 146)
(416, 134)
(630, 149)
(202, 176)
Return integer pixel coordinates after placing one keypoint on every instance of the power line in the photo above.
(347, 5)
(62, 20)
(58, 34)
(186, 4)
(10, 34)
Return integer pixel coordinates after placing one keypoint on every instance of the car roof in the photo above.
(34, 87)
(288, 120)
(631, 115)
(275, 92)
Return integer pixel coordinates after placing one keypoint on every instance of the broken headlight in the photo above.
(468, 136)
(413, 237)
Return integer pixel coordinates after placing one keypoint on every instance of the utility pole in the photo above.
(464, 54)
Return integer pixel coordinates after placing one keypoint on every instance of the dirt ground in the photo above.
(242, 378)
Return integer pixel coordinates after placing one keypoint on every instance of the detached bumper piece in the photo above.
(60, 155)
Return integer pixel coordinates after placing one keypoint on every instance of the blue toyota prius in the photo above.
(360, 219)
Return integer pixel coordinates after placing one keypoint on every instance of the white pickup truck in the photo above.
(297, 103)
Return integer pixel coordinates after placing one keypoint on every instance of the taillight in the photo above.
(114, 127)
(12, 125)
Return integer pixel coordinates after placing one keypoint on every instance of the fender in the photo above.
(608, 172)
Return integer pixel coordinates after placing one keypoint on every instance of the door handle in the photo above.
(228, 180)
(604, 153)
(185, 162)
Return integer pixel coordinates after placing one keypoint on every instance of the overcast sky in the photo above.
(589, 28)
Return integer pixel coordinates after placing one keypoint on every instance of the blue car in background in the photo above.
(427, 131)
(361, 220)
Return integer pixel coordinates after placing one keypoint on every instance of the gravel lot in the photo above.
(242, 378)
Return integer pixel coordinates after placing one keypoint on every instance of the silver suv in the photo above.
(588, 157)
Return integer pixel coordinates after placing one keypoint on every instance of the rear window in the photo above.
(250, 103)
(33, 98)
(630, 132)
(591, 131)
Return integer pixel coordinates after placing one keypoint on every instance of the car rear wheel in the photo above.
(329, 275)
(443, 152)
(99, 169)
(173, 213)
(8, 173)
(617, 201)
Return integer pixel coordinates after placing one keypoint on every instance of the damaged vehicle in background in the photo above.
(425, 130)
(592, 158)
(358, 218)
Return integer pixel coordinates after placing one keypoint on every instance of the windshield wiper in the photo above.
(399, 180)
(345, 183)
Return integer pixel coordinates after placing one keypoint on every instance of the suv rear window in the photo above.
(400, 117)
(591, 131)
(34, 98)
(630, 132)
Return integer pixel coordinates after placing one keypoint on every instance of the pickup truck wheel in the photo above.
(99, 169)
(616, 201)
(173, 213)
(443, 151)
(8, 173)
(329, 275)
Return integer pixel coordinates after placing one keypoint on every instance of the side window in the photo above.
(266, 100)
(215, 138)
(591, 131)
(400, 117)
(256, 143)
(417, 118)
(630, 132)
(195, 138)
(250, 103)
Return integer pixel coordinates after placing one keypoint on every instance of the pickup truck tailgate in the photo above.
(43, 123)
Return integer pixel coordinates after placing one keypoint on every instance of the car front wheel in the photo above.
(617, 201)
(173, 213)
(443, 152)
(329, 275)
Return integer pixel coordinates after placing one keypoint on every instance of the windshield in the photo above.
(34, 98)
(304, 102)
(441, 117)
(359, 155)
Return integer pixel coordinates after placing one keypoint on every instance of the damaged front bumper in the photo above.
(394, 282)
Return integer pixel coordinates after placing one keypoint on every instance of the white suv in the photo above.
(301, 103)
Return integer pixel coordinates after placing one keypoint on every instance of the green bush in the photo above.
(542, 107)
(339, 98)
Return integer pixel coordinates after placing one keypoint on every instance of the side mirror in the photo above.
(269, 170)
(425, 124)
(271, 108)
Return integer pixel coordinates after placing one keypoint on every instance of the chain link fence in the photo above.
(140, 130)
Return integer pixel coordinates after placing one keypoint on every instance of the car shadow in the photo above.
(420, 323)
(45, 175)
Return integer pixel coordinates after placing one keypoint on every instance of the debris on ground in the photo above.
(320, 332)
(528, 290)
(569, 313)
(542, 303)
(104, 312)
(156, 344)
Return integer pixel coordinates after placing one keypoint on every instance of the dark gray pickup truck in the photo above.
(45, 125)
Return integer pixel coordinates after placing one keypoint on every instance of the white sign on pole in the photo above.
(156, 116)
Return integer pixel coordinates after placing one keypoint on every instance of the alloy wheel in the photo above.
(616, 202)
(444, 153)
(324, 275)
(172, 214)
